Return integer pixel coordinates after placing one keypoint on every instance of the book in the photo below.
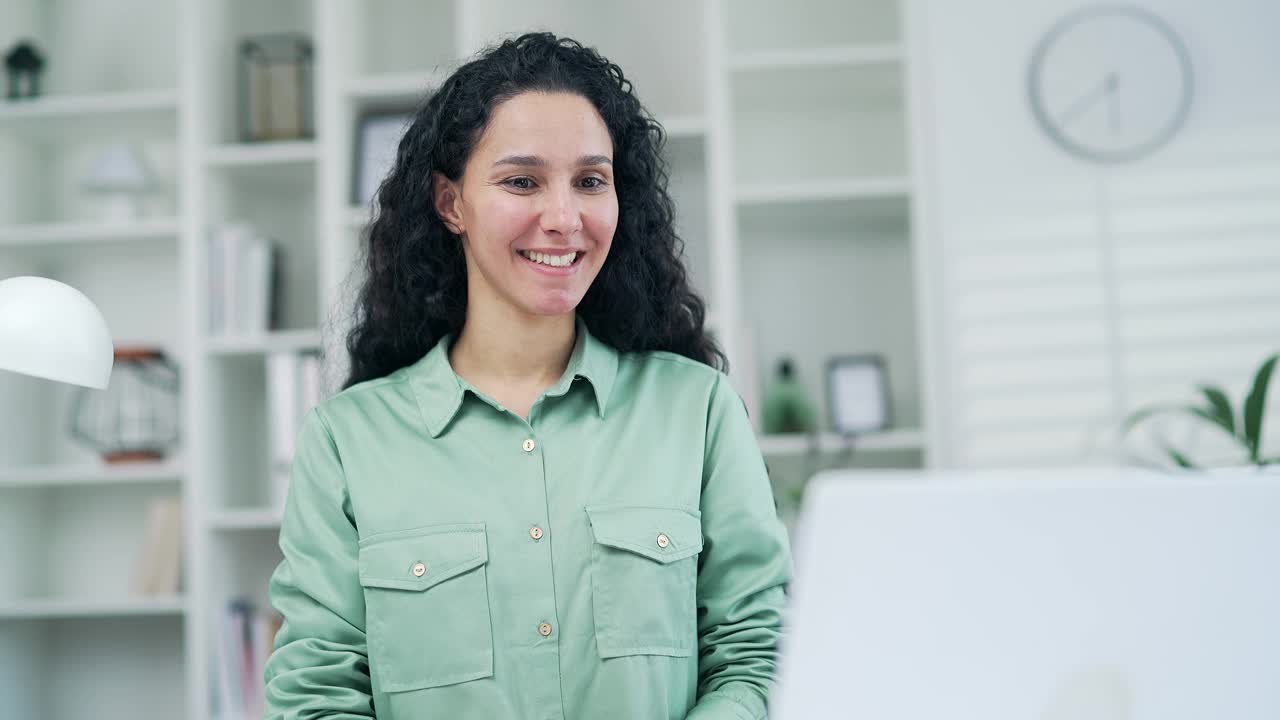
(244, 280)
(255, 269)
(230, 662)
(312, 383)
(148, 551)
(159, 566)
(246, 637)
(261, 639)
(294, 386)
(282, 401)
(217, 280)
(168, 571)
(232, 239)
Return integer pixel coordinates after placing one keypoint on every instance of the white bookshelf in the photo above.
(247, 155)
(357, 216)
(788, 162)
(391, 86)
(246, 519)
(759, 193)
(93, 609)
(684, 126)
(84, 108)
(86, 474)
(821, 191)
(121, 113)
(800, 443)
(816, 57)
(71, 527)
(88, 233)
(264, 343)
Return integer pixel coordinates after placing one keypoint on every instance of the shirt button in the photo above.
(544, 629)
(529, 445)
(535, 532)
(663, 541)
(419, 570)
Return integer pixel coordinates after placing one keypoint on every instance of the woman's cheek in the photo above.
(508, 216)
(601, 223)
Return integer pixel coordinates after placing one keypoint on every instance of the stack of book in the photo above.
(294, 386)
(244, 281)
(245, 638)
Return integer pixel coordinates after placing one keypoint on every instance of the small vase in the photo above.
(787, 407)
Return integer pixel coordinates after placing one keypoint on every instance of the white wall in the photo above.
(1067, 293)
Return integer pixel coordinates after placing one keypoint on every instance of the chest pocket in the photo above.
(427, 606)
(643, 579)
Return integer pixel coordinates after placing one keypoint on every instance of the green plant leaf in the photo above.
(1136, 417)
(1209, 415)
(1220, 406)
(1180, 459)
(1212, 418)
(1254, 407)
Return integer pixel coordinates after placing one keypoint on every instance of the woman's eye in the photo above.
(521, 183)
(592, 182)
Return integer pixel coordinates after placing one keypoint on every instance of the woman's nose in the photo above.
(561, 213)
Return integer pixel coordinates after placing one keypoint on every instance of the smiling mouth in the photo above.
(553, 261)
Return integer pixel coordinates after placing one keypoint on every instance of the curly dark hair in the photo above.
(415, 286)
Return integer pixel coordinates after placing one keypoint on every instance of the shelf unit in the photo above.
(127, 113)
(787, 157)
(86, 233)
(267, 154)
(70, 527)
(264, 343)
(129, 607)
(90, 475)
(800, 443)
(814, 107)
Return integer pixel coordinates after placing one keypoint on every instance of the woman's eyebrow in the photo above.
(523, 160)
(535, 161)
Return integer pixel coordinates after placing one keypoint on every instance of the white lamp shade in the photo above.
(51, 330)
(119, 167)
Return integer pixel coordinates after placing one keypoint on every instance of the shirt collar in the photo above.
(439, 390)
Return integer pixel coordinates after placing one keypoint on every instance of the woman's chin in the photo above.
(552, 303)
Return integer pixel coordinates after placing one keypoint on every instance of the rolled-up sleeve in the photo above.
(319, 666)
(743, 570)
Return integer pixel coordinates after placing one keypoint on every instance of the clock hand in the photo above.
(1088, 100)
(1113, 84)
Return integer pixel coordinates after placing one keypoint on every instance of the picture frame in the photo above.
(378, 133)
(858, 394)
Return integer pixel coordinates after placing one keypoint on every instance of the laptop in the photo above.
(1088, 594)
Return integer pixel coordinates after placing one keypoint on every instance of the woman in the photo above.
(537, 496)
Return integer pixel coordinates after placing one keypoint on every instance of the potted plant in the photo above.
(1245, 429)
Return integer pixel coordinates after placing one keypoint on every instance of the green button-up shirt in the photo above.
(617, 555)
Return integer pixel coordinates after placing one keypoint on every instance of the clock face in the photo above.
(1111, 83)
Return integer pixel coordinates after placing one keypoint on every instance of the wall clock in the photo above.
(1110, 83)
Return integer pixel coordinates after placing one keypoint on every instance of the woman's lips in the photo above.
(553, 270)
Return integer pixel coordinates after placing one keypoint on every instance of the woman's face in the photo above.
(536, 205)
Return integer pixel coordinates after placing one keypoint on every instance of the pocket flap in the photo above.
(641, 529)
(419, 558)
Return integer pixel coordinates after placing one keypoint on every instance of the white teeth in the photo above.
(553, 260)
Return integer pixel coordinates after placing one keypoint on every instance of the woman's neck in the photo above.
(501, 348)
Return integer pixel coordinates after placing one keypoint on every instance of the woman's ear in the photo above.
(445, 197)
